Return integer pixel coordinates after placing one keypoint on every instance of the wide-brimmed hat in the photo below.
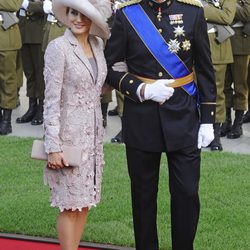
(98, 11)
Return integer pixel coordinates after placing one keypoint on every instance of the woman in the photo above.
(75, 70)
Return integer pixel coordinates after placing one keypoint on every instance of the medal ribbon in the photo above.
(157, 45)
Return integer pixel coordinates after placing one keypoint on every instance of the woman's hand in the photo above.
(56, 160)
(106, 89)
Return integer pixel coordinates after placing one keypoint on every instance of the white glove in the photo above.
(47, 7)
(25, 4)
(159, 90)
(205, 135)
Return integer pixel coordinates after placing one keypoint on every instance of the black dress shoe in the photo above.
(37, 121)
(38, 118)
(29, 115)
(118, 138)
(225, 128)
(5, 128)
(113, 112)
(5, 124)
(216, 147)
(246, 117)
(236, 132)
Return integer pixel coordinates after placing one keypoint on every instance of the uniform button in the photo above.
(27, 18)
(160, 30)
(127, 92)
(131, 81)
(212, 113)
(160, 74)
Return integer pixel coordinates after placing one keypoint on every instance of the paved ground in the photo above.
(241, 145)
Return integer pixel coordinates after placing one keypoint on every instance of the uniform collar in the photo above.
(163, 5)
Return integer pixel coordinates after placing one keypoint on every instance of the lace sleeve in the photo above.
(53, 76)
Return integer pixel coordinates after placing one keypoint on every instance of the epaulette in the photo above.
(192, 2)
(128, 3)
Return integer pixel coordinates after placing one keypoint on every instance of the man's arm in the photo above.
(204, 70)
(10, 5)
(223, 15)
(115, 51)
(243, 12)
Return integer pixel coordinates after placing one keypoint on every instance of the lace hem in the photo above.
(73, 208)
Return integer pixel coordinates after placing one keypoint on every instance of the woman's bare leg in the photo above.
(70, 226)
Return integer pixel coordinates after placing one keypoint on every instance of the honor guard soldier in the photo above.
(31, 26)
(53, 27)
(165, 111)
(219, 15)
(246, 117)
(10, 43)
(236, 87)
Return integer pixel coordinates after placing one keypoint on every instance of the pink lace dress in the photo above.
(72, 116)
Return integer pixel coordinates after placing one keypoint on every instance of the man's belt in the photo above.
(179, 82)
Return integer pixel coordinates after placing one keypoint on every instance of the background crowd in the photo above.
(27, 26)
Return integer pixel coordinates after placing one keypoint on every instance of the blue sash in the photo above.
(157, 45)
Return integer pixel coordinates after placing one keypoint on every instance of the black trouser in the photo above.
(33, 64)
(184, 174)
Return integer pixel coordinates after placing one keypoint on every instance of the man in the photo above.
(119, 110)
(31, 26)
(53, 28)
(161, 114)
(10, 43)
(246, 117)
(237, 72)
(219, 15)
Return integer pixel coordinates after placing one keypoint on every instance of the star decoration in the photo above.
(186, 45)
(174, 46)
(179, 31)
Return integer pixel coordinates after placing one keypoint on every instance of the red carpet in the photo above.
(10, 244)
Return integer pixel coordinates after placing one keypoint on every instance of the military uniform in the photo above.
(246, 117)
(52, 29)
(237, 72)
(31, 26)
(219, 12)
(10, 43)
(150, 128)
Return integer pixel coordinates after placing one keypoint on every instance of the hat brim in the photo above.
(99, 26)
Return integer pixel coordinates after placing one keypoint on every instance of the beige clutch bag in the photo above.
(71, 153)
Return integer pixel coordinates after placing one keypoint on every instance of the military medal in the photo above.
(159, 14)
(176, 19)
(179, 31)
(186, 45)
(173, 46)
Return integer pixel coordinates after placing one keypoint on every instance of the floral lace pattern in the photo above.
(72, 116)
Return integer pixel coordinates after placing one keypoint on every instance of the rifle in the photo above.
(9, 19)
(223, 32)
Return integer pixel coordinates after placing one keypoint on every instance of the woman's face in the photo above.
(78, 23)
